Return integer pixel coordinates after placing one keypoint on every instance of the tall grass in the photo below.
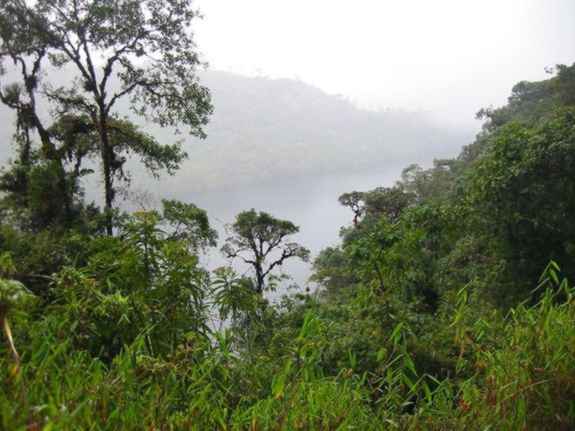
(514, 373)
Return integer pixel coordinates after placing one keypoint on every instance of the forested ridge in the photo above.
(447, 303)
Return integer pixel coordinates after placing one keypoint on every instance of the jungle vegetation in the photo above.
(446, 305)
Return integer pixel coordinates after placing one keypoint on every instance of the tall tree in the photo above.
(260, 240)
(22, 49)
(137, 49)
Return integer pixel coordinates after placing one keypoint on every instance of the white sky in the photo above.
(450, 57)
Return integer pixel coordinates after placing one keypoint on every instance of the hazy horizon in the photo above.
(447, 58)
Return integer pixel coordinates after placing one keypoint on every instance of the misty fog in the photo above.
(288, 148)
(291, 148)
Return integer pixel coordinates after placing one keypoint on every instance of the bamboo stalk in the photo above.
(8, 333)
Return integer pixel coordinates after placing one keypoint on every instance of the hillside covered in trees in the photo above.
(446, 305)
(265, 130)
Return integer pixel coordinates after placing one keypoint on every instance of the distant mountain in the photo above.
(267, 130)
(273, 129)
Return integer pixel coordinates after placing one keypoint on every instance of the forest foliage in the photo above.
(447, 303)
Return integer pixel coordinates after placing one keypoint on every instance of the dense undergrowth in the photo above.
(504, 372)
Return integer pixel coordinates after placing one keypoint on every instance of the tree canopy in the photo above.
(141, 50)
(261, 240)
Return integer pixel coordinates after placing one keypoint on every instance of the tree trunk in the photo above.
(259, 280)
(106, 154)
(52, 154)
